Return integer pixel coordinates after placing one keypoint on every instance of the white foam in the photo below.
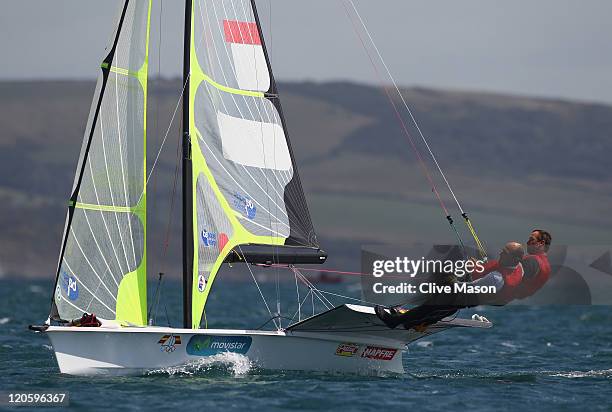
(4, 321)
(236, 363)
(585, 374)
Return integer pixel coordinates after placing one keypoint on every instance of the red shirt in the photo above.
(532, 284)
(512, 279)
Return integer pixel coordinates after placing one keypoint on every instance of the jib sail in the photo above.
(102, 264)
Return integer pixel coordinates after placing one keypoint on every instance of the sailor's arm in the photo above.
(488, 267)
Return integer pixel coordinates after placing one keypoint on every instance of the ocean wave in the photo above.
(4, 321)
(605, 373)
(234, 363)
(517, 376)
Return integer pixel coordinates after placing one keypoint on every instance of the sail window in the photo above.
(254, 144)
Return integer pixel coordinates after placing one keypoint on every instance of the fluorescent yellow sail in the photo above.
(102, 267)
(245, 184)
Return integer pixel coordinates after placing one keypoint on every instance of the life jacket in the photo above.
(529, 286)
(512, 280)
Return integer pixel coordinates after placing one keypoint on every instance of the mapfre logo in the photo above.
(373, 352)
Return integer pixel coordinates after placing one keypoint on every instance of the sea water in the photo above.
(548, 358)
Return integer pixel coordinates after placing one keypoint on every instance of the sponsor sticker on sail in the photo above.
(347, 349)
(374, 352)
(201, 283)
(70, 286)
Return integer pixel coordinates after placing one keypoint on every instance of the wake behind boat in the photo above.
(242, 202)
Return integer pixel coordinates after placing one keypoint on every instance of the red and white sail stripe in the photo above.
(247, 51)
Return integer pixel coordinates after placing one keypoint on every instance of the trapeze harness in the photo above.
(512, 277)
(531, 285)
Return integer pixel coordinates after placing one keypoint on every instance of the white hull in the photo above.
(91, 351)
(360, 345)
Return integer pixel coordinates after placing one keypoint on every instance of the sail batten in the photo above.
(102, 264)
(244, 180)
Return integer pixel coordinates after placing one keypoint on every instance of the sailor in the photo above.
(504, 274)
(514, 275)
(536, 266)
(534, 271)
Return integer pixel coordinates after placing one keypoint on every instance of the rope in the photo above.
(481, 248)
(313, 288)
(297, 291)
(258, 288)
(479, 244)
(296, 312)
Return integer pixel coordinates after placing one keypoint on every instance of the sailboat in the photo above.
(242, 202)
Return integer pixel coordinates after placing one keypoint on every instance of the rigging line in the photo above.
(297, 291)
(342, 296)
(317, 293)
(340, 272)
(257, 284)
(404, 102)
(302, 304)
(314, 288)
(347, 297)
(178, 103)
(414, 121)
(312, 302)
(308, 283)
(399, 117)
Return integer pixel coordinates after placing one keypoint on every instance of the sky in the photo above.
(548, 48)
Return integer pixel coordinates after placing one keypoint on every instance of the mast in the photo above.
(187, 176)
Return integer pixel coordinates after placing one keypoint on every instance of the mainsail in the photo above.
(102, 264)
(244, 185)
